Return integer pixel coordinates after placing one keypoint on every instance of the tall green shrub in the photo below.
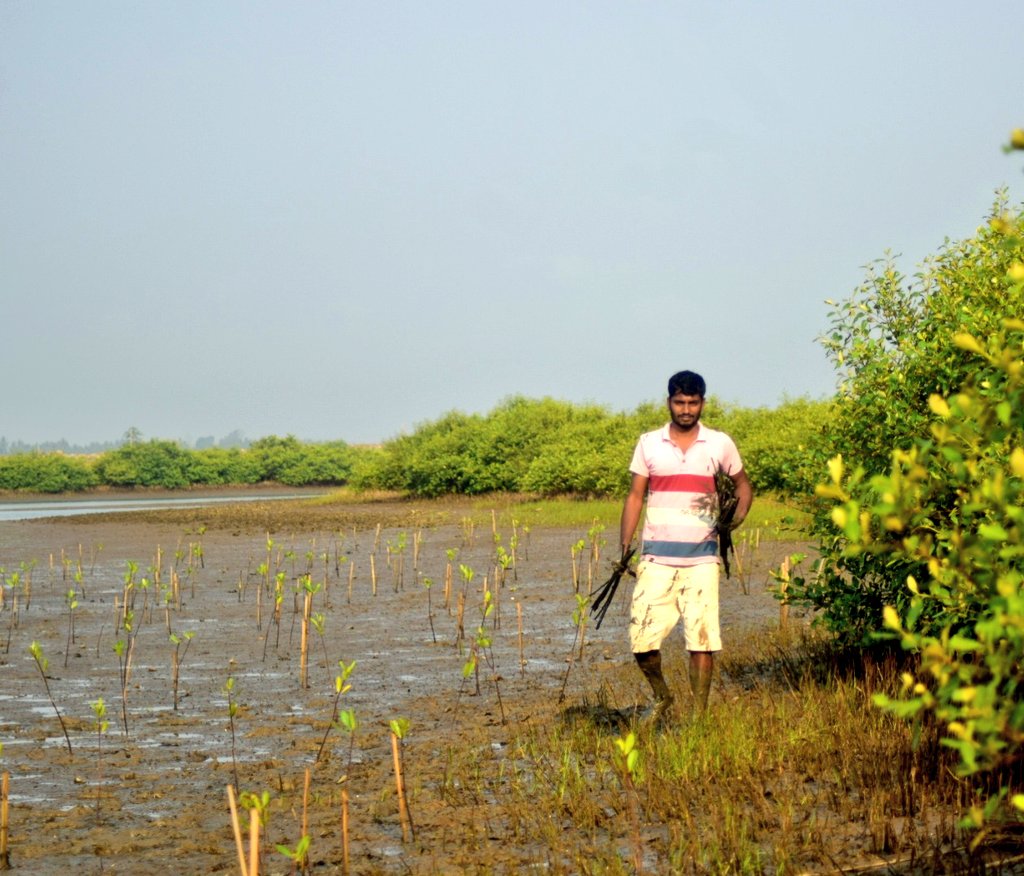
(894, 344)
(289, 461)
(953, 505)
(45, 473)
(779, 445)
(152, 463)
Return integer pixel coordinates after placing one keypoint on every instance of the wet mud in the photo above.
(146, 792)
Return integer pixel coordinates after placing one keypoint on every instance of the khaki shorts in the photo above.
(664, 595)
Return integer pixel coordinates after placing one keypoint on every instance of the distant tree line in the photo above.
(167, 464)
(131, 436)
(539, 446)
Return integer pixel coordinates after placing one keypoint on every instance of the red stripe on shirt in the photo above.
(681, 483)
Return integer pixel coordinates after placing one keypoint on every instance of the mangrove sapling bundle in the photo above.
(36, 650)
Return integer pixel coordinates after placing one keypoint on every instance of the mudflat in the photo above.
(396, 587)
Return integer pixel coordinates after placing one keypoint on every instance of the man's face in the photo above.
(685, 410)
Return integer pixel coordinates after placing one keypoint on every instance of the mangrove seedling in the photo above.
(99, 711)
(428, 583)
(125, 648)
(626, 757)
(11, 583)
(484, 644)
(319, 621)
(258, 807)
(248, 867)
(299, 856)
(341, 686)
(229, 689)
(72, 603)
(310, 590)
(576, 550)
(579, 617)
(451, 553)
(36, 650)
(177, 656)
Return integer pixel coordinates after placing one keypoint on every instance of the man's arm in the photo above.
(631, 509)
(744, 497)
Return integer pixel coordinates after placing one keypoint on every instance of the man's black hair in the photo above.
(687, 383)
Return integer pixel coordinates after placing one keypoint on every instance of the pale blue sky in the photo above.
(339, 220)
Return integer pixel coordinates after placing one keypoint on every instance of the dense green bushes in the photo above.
(923, 537)
(552, 447)
(778, 445)
(895, 343)
(540, 446)
(165, 464)
(45, 473)
(964, 612)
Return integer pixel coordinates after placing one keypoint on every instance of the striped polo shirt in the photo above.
(682, 506)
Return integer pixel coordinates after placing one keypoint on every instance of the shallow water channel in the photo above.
(35, 508)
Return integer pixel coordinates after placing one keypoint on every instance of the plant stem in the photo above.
(344, 831)
(403, 806)
(237, 828)
(5, 855)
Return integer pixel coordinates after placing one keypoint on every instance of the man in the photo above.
(677, 576)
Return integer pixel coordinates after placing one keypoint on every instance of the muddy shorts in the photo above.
(664, 595)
